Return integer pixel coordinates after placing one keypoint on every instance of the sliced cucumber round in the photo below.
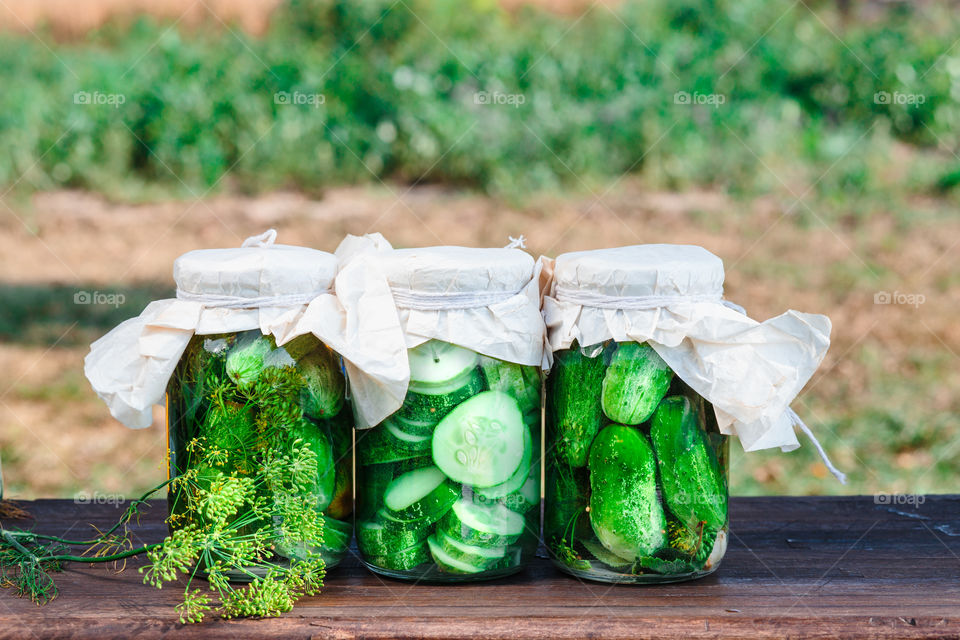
(402, 560)
(527, 497)
(519, 476)
(382, 536)
(413, 427)
(422, 494)
(438, 367)
(481, 442)
(519, 381)
(482, 525)
(473, 555)
(387, 443)
(448, 563)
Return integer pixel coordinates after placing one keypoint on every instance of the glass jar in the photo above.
(448, 487)
(268, 425)
(636, 468)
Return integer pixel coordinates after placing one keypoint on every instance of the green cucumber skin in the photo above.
(432, 507)
(574, 411)
(424, 407)
(519, 381)
(482, 562)
(375, 479)
(381, 536)
(634, 383)
(451, 526)
(319, 442)
(324, 387)
(694, 486)
(403, 560)
(625, 511)
(379, 446)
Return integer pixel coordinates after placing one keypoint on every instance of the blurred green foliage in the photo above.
(470, 95)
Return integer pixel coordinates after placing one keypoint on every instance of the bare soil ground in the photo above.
(58, 439)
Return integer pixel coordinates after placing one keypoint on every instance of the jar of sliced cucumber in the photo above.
(652, 373)
(448, 486)
(636, 485)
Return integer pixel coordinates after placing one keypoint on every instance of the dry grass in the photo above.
(68, 19)
(57, 438)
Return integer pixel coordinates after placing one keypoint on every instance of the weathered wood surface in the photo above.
(796, 567)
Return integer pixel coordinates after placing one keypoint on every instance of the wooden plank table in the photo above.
(796, 567)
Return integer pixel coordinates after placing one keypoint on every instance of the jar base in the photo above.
(609, 576)
(434, 575)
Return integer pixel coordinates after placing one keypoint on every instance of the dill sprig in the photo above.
(243, 514)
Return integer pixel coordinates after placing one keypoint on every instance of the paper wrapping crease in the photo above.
(510, 329)
(750, 371)
(129, 367)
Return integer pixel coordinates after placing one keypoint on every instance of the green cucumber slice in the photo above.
(432, 407)
(448, 563)
(438, 367)
(527, 497)
(481, 442)
(519, 476)
(383, 536)
(387, 443)
(484, 525)
(422, 494)
(520, 382)
(473, 555)
(413, 427)
(402, 560)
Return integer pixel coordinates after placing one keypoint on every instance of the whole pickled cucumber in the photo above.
(694, 487)
(625, 511)
(323, 393)
(635, 382)
(574, 408)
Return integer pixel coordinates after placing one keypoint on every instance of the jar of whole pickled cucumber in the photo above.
(260, 430)
(636, 485)
(652, 373)
(448, 486)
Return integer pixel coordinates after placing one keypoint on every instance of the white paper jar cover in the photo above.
(672, 297)
(284, 291)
